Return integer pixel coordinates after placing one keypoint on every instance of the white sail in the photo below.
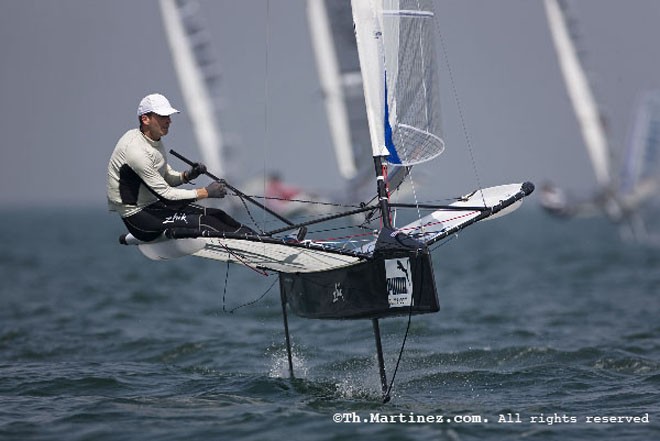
(579, 91)
(397, 57)
(332, 82)
(197, 74)
(642, 161)
(367, 31)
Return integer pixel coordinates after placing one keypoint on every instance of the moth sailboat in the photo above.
(620, 194)
(375, 269)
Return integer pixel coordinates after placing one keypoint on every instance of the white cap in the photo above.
(157, 104)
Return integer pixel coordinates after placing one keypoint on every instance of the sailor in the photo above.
(142, 186)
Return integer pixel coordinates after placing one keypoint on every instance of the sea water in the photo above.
(548, 330)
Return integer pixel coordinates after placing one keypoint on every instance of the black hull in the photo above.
(383, 287)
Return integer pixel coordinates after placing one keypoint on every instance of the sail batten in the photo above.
(408, 13)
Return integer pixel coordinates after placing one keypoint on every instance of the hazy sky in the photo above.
(73, 72)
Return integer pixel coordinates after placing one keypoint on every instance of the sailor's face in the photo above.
(156, 126)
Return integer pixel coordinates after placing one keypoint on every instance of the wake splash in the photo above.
(279, 363)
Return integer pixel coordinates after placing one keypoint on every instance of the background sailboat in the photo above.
(618, 197)
(640, 176)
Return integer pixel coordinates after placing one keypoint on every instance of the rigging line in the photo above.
(355, 237)
(409, 176)
(361, 228)
(231, 311)
(457, 100)
(249, 213)
(224, 291)
(243, 261)
(386, 398)
(305, 201)
(443, 243)
(266, 97)
(414, 192)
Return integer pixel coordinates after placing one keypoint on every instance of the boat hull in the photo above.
(383, 287)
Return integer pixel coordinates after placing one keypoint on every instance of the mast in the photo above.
(368, 34)
(383, 193)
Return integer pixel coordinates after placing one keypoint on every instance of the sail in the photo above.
(395, 42)
(642, 160)
(579, 91)
(198, 75)
(339, 74)
(338, 66)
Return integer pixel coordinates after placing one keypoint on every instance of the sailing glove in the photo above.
(216, 190)
(197, 169)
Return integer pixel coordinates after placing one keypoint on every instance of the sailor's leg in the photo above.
(215, 216)
(205, 219)
(147, 224)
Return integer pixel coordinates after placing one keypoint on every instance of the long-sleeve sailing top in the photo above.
(139, 175)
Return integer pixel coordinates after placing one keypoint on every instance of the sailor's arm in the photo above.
(202, 193)
(175, 178)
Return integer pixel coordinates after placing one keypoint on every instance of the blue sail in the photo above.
(393, 157)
